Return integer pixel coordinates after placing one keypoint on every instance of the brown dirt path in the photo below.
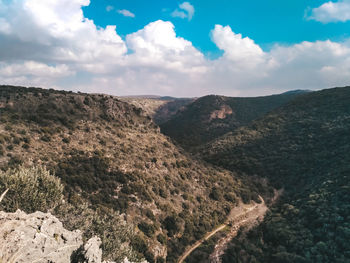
(239, 216)
(249, 219)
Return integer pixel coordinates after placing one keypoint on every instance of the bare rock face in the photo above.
(224, 111)
(37, 237)
(41, 238)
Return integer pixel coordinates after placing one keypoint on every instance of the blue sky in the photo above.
(267, 22)
(177, 48)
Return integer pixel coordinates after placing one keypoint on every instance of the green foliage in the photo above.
(135, 166)
(148, 229)
(215, 194)
(162, 239)
(303, 147)
(172, 224)
(195, 126)
(30, 189)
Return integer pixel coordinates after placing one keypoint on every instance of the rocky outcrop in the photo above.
(37, 237)
(222, 113)
(40, 237)
(92, 251)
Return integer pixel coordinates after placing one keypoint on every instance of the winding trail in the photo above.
(238, 217)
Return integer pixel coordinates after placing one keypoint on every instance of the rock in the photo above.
(92, 251)
(41, 238)
(38, 237)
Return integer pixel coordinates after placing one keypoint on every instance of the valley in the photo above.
(187, 180)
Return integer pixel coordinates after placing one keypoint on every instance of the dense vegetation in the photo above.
(115, 167)
(110, 155)
(30, 189)
(303, 147)
(211, 116)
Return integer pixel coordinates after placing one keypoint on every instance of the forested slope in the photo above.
(110, 154)
(209, 117)
(303, 147)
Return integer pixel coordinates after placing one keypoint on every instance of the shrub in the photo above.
(23, 132)
(8, 127)
(215, 194)
(10, 147)
(148, 229)
(150, 214)
(25, 146)
(30, 189)
(172, 225)
(16, 140)
(66, 140)
(46, 138)
(162, 239)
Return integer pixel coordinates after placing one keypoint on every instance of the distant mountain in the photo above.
(303, 147)
(169, 109)
(211, 116)
(297, 91)
(111, 154)
(160, 109)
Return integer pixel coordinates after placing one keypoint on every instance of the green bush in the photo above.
(148, 229)
(162, 239)
(30, 189)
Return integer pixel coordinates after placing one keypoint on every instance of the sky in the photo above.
(176, 48)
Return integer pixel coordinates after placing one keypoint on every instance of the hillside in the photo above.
(161, 109)
(303, 147)
(168, 110)
(110, 154)
(211, 116)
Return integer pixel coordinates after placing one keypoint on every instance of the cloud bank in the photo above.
(332, 12)
(51, 44)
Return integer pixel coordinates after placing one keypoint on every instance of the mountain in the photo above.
(211, 116)
(111, 155)
(302, 147)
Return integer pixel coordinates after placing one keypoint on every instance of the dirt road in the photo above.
(239, 216)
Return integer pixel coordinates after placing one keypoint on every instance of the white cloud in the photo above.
(32, 68)
(126, 13)
(177, 13)
(311, 65)
(236, 48)
(188, 8)
(109, 8)
(186, 11)
(51, 44)
(56, 30)
(32, 73)
(332, 12)
(157, 44)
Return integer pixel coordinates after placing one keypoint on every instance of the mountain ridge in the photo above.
(302, 147)
(211, 116)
